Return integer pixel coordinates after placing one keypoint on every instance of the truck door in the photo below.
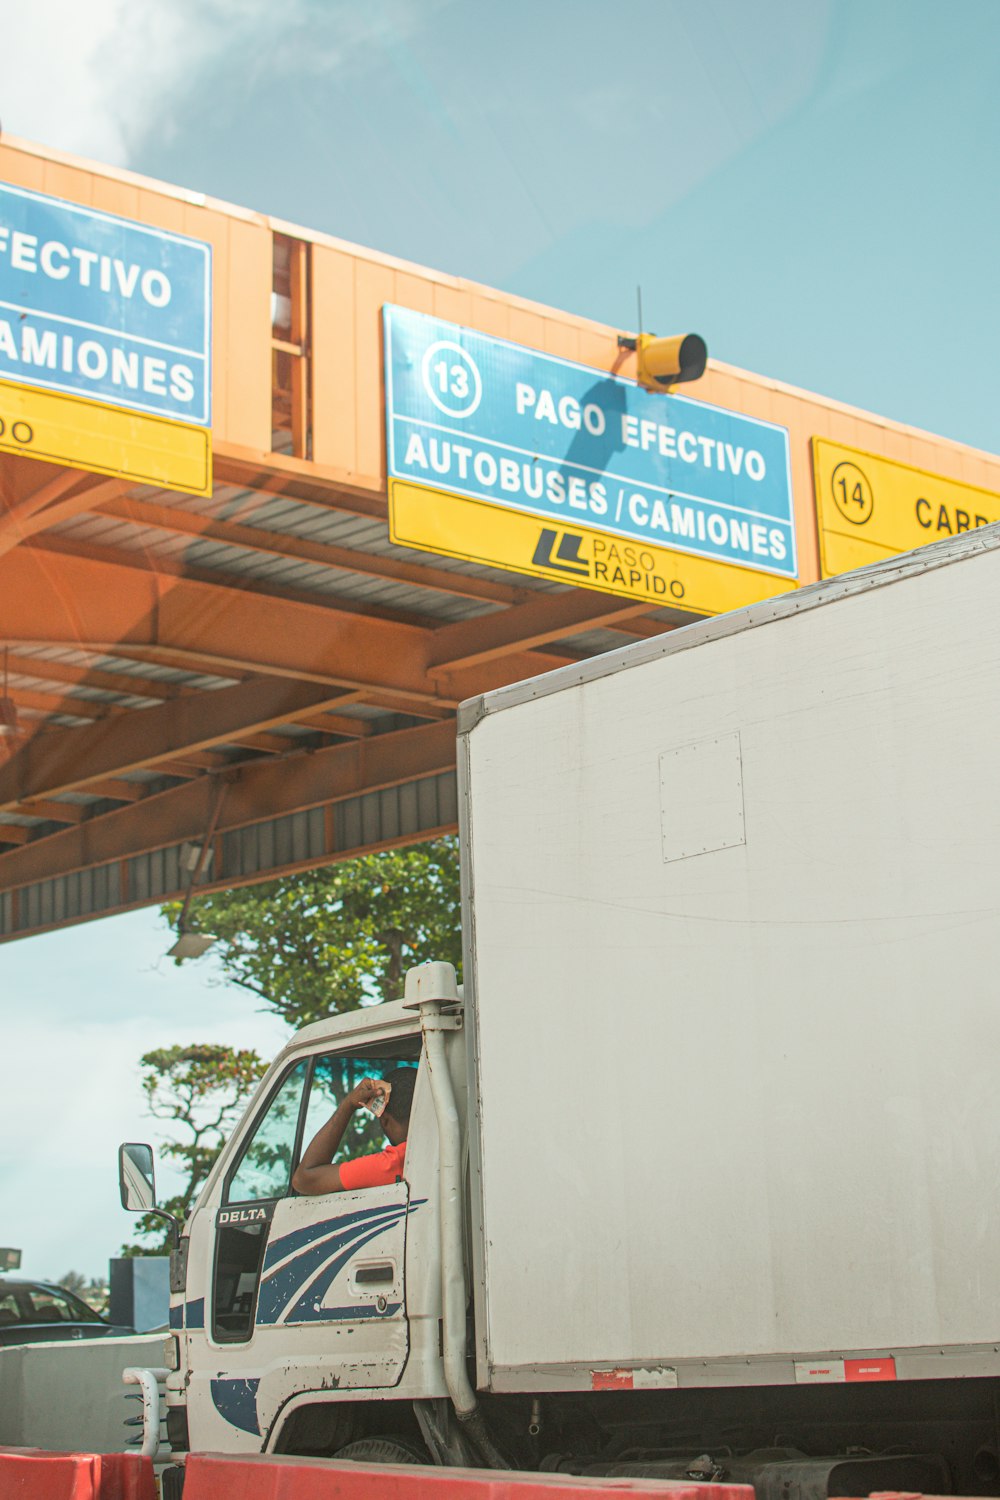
(307, 1293)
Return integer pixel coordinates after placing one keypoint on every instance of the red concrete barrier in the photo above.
(34, 1474)
(216, 1476)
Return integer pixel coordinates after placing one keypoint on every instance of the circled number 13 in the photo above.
(452, 380)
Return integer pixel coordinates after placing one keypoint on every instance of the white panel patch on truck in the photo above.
(663, 1377)
(813, 1374)
(701, 797)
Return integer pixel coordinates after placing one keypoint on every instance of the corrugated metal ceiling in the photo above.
(62, 686)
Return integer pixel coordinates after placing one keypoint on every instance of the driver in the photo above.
(315, 1173)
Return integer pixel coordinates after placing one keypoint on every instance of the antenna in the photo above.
(663, 363)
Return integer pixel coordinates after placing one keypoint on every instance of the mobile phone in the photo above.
(377, 1103)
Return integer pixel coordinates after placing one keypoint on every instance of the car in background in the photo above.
(33, 1311)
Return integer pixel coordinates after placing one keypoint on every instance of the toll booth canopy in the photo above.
(272, 506)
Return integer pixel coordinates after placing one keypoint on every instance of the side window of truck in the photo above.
(262, 1174)
(334, 1076)
(264, 1169)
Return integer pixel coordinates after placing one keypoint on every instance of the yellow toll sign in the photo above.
(83, 434)
(870, 508)
(451, 525)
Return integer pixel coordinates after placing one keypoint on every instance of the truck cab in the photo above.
(286, 1306)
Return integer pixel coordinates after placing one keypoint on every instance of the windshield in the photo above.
(39, 1304)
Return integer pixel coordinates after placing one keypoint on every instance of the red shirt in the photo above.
(375, 1170)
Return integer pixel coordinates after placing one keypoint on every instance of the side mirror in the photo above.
(136, 1178)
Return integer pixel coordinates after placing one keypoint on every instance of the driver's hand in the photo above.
(363, 1093)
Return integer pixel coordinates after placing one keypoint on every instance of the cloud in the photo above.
(73, 1096)
(77, 78)
(490, 134)
(320, 38)
(98, 80)
(81, 1007)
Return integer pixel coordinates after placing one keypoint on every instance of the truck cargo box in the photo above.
(732, 918)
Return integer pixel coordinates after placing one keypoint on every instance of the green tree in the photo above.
(309, 946)
(93, 1291)
(335, 938)
(201, 1089)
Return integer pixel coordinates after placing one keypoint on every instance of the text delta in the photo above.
(242, 1216)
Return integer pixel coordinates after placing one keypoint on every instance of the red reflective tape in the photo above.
(870, 1369)
(611, 1380)
(267, 1476)
(35, 1474)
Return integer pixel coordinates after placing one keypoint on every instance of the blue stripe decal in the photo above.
(337, 1239)
(281, 1285)
(327, 1236)
(196, 1313)
(176, 1319)
(278, 1249)
(236, 1401)
(351, 1314)
(308, 1309)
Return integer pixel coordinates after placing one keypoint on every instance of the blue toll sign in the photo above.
(476, 416)
(97, 306)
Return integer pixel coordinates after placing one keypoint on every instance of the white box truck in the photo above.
(703, 1167)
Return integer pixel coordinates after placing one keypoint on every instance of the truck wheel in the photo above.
(384, 1450)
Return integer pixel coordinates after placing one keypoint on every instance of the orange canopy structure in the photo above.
(251, 681)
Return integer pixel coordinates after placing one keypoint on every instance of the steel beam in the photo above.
(178, 521)
(300, 479)
(162, 692)
(72, 708)
(169, 566)
(547, 617)
(52, 812)
(50, 597)
(95, 677)
(62, 481)
(67, 761)
(52, 504)
(118, 791)
(254, 794)
(75, 707)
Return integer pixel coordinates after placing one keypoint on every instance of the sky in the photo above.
(809, 184)
(79, 1009)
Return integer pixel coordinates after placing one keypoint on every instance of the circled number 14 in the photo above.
(852, 493)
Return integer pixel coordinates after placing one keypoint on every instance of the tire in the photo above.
(384, 1450)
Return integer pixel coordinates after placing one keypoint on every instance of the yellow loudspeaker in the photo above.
(666, 362)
